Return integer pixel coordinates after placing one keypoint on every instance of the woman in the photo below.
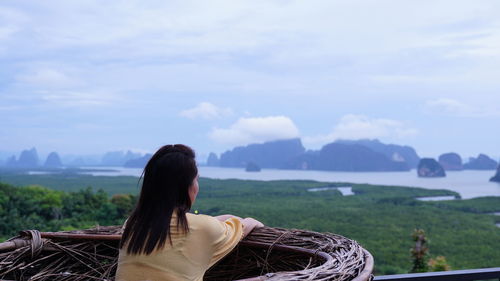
(161, 240)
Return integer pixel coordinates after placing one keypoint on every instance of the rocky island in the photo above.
(138, 162)
(482, 162)
(252, 167)
(53, 161)
(451, 161)
(27, 159)
(430, 168)
(342, 155)
(496, 177)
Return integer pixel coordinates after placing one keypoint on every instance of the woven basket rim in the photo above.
(316, 245)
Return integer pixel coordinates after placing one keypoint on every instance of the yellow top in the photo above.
(189, 256)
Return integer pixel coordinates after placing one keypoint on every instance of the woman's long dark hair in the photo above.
(165, 189)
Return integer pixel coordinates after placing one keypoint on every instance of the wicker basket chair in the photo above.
(266, 254)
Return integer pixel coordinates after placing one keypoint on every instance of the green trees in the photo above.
(37, 207)
(379, 217)
(420, 255)
(419, 252)
(439, 264)
(124, 203)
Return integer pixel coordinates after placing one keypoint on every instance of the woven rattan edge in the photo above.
(366, 273)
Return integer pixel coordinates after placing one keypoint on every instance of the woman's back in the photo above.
(190, 254)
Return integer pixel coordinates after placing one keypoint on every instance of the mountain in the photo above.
(28, 159)
(77, 162)
(496, 177)
(337, 156)
(212, 160)
(304, 161)
(252, 167)
(139, 162)
(394, 152)
(430, 168)
(118, 158)
(273, 154)
(4, 155)
(354, 157)
(11, 161)
(482, 162)
(451, 161)
(53, 161)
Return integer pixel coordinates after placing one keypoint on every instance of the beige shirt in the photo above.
(189, 256)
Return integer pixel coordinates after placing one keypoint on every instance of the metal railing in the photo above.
(453, 275)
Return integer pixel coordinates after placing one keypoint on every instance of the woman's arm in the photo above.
(249, 224)
(225, 217)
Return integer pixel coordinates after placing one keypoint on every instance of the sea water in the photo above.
(468, 183)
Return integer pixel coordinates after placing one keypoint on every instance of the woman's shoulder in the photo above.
(199, 219)
(207, 224)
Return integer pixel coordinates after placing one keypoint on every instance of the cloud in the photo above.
(256, 129)
(352, 126)
(78, 98)
(10, 23)
(51, 86)
(48, 78)
(454, 107)
(206, 110)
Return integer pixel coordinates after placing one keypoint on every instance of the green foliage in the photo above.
(439, 264)
(487, 204)
(419, 252)
(73, 182)
(36, 207)
(379, 217)
(124, 203)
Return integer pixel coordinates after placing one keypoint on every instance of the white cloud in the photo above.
(457, 108)
(194, 27)
(48, 78)
(206, 110)
(485, 43)
(352, 126)
(256, 129)
(10, 23)
(78, 99)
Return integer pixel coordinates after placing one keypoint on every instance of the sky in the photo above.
(87, 77)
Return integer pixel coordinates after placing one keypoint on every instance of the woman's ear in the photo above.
(193, 190)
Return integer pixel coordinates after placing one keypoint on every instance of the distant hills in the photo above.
(363, 155)
(482, 162)
(430, 168)
(451, 161)
(342, 155)
(394, 152)
(274, 154)
(29, 159)
(139, 162)
(53, 161)
(496, 177)
(118, 158)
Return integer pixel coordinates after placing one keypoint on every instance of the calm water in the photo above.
(468, 183)
(436, 198)
(345, 190)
